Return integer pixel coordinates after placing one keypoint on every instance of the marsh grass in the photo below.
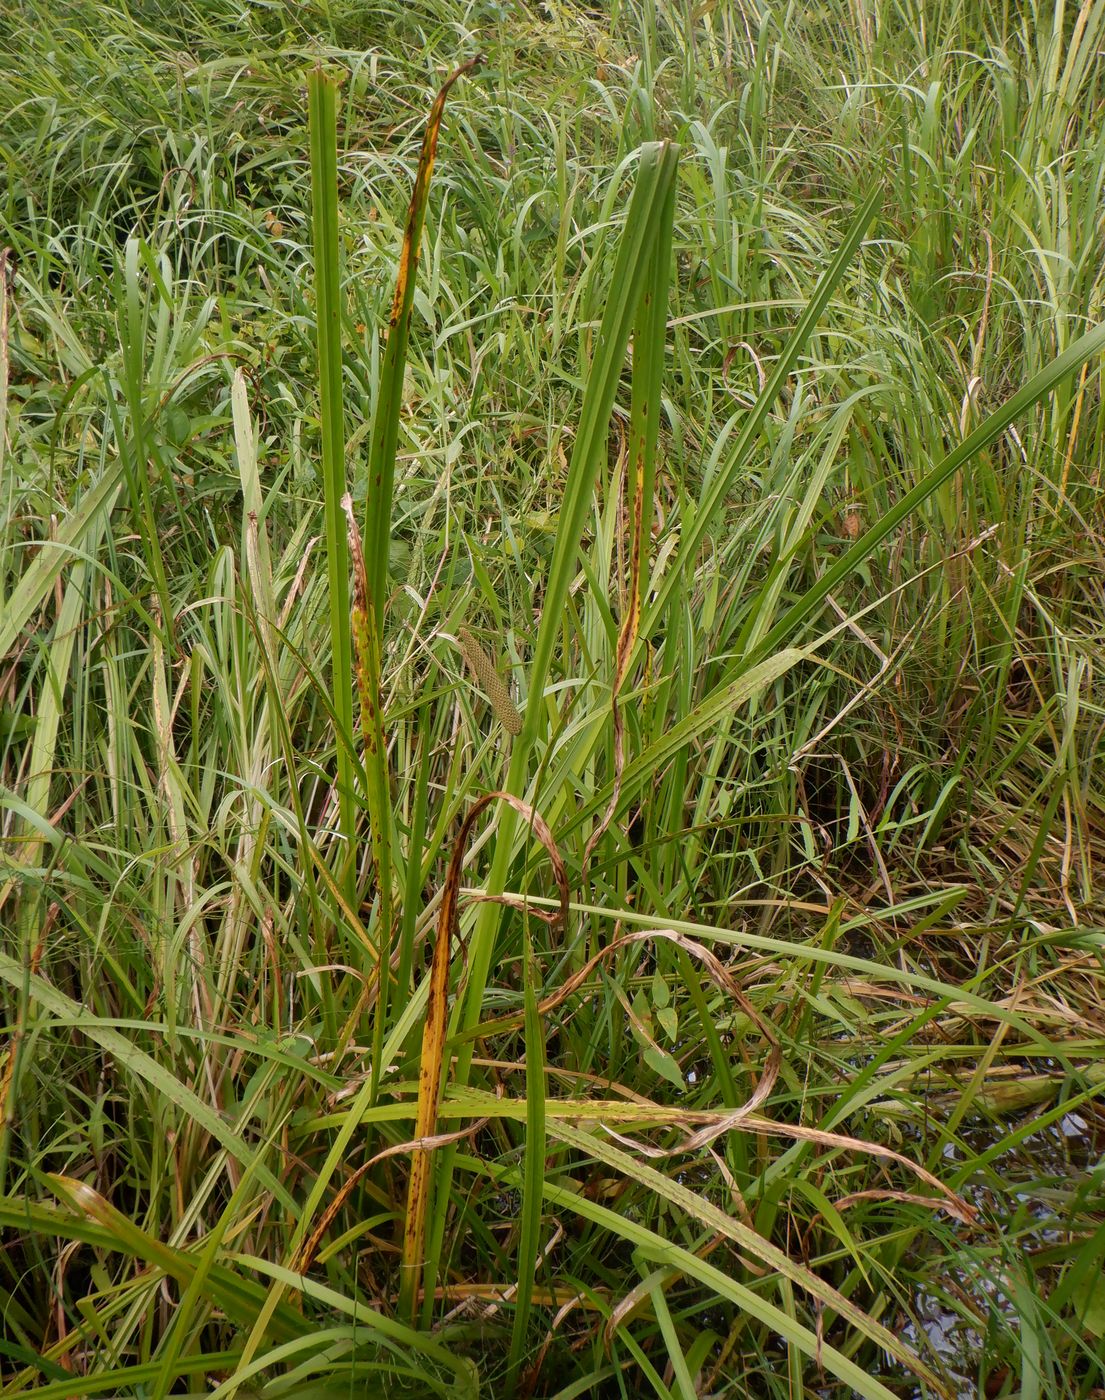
(740, 411)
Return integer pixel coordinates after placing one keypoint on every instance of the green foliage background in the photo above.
(851, 870)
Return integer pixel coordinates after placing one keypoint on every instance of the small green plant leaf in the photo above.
(663, 1064)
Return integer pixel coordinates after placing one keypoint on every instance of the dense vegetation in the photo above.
(746, 529)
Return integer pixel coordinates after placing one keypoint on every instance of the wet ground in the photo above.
(1029, 1197)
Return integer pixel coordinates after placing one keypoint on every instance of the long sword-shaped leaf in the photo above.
(644, 227)
(529, 1237)
(722, 481)
(1037, 388)
(650, 206)
(122, 1380)
(366, 642)
(649, 210)
(322, 88)
(649, 343)
(389, 399)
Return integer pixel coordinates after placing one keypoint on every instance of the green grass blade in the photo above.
(533, 1170)
(38, 578)
(322, 90)
(1038, 387)
(389, 403)
(721, 483)
(684, 1382)
(124, 1379)
(366, 647)
(644, 230)
(649, 205)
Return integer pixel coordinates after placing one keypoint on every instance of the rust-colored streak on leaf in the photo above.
(433, 1033)
(412, 234)
(627, 636)
(885, 1194)
(365, 646)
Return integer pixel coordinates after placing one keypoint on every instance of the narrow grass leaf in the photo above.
(1037, 388)
(138, 1062)
(533, 1170)
(322, 88)
(366, 644)
(707, 509)
(389, 403)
